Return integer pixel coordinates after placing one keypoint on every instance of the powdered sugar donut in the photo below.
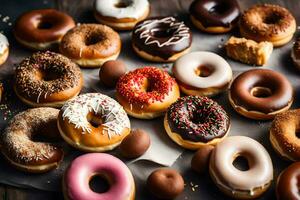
(3, 48)
(93, 122)
(121, 14)
(202, 73)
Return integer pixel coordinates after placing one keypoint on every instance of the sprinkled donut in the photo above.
(236, 183)
(91, 45)
(161, 39)
(4, 50)
(47, 79)
(146, 92)
(93, 122)
(202, 73)
(194, 121)
(17, 143)
(84, 168)
(121, 14)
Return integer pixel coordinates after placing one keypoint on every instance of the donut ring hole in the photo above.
(204, 71)
(123, 4)
(162, 31)
(241, 163)
(44, 25)
(297, 133)
(261, 92)
(93, 38)
(95, 119)
(99, 183)
(220, 8)
(198, 118)
(47, 75)
(273, 18)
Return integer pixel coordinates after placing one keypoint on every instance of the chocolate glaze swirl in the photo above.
(213, 13)
(162, 36)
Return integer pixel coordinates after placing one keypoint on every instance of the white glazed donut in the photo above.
(236, 183)
(121, 14)
(3, 48)
(202, 73)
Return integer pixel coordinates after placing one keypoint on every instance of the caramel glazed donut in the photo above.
(268, 22)
(261, 94)
(4, 48)
(47, 79)
(90, 45)
(215, 16)
(239, 184)
(93, 122)
(42, 29)
(287, 183)
(121, 14)
(283, 135)
(194, 121)
(202, 73)
(161, 39)
(17, 143)
(147, 92)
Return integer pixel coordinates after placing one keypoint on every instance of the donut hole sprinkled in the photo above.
(47, 75)
(93, 38)
(261, 92)
(99, 183)
(123, 4)
(241, 163)
(94, 119)
(204, 71)
(273, 18)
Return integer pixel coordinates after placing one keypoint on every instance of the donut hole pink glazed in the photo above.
(77, 179)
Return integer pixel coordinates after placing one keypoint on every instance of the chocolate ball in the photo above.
(111, 71)
(200, 160)
(165, 183)
(135, 144)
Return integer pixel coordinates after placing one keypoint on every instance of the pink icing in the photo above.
(84, 167)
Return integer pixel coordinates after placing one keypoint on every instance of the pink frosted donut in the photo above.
(84, 168)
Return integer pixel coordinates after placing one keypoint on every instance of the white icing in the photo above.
(260, 171)
(181, 31)
(184, 69)
(114, 117)
(136, 8)
(3, 43)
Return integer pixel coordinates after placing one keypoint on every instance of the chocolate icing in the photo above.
(288, 183)
(162, 36)
(280, 87)
(198, 119)
(213, 13)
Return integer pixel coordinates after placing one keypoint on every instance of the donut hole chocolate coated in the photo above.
(261, 92)
(204, 71)
(47, 75)
(241, 163)
(162, 31)
(221, 8)
(94, 119)
(99, 183)
(45, 25)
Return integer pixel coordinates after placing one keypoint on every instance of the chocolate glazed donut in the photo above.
(261, 90)
(213, 13)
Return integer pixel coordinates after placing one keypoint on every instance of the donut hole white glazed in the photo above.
(202, 73)
(241, 163)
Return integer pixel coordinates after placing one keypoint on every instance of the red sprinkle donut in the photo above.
(41, 29)
(147, 92)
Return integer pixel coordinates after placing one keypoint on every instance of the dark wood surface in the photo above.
(159, 7)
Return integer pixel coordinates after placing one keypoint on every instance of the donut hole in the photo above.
(99, 183)
(93, 39)
(273, 18)
(44, 25)
(261, 92)
(47, 75)
(204, 71)
(95, 119)
(218, 8)
(162, 32)
(297, 133)
(148, 85)
(241, 163)
(123, 4)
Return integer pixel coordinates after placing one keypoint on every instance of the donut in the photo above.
(165, 183)
(84, 168)
(200, 160)
(135, 144)
(295, 53)
(21, 150)
(90, 45)
(283, 134)
(42, 29)
(287, 183)
(4, 48)
(146, 92)
(47, 79)
(111, 71)
(161, 39)
(121, 14)
(194, 121)
(215, 16)
(93, 122)
(261, 94)
(202, 73)
(236, 183)
(267, 22)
